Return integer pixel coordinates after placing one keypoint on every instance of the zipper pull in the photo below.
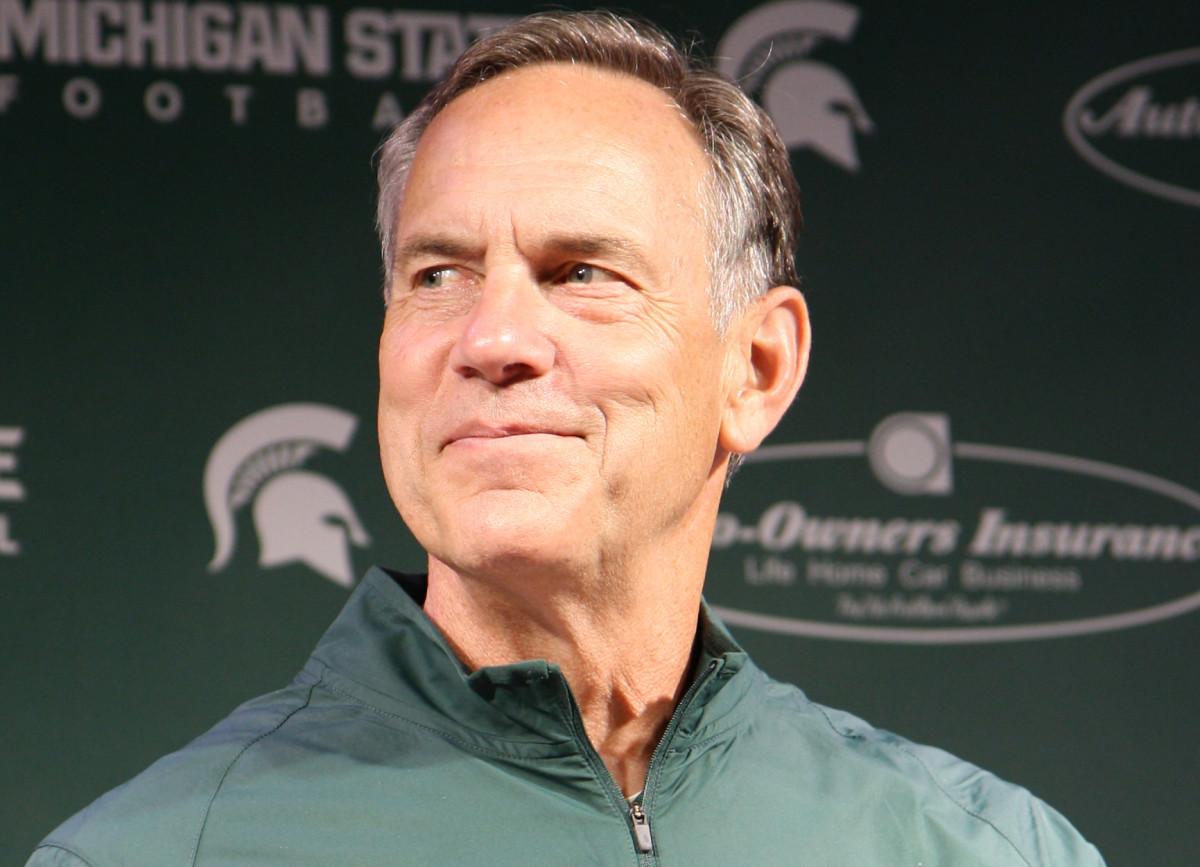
(641, 827)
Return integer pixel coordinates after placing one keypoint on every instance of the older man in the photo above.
(590, 311)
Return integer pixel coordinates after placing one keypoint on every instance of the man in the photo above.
(590, 311)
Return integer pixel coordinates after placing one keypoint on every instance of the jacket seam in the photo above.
(932, 776)
(964, 807)
(75, 853)
(225, 773)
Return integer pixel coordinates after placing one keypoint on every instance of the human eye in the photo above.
(434, 278)
(583, 273)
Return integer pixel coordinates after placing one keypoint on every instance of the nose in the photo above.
(504, 338)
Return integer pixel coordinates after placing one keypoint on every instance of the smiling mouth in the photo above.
(494, 433)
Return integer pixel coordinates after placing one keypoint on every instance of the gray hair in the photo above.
(751, 201)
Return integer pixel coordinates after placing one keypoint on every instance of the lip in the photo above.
(476, 430)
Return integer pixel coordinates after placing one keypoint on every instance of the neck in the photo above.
(625, 647)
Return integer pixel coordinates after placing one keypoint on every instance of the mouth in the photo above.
(483, 432)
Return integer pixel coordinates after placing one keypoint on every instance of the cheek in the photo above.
(399, 428)
(410, 362)
(687, 399)
(659, 394)
(409, 374)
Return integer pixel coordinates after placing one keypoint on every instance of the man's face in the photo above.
(551, 382)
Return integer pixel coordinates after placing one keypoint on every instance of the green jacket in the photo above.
(386, 750)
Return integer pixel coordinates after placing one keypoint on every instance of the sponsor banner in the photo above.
(1140, 124)
(960, 542)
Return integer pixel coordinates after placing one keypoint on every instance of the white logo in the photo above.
(11, 490)
(1140, 115)
(300, 516)
(812, 104)
(910, 453)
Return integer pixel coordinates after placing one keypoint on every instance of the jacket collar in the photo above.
(385, 652)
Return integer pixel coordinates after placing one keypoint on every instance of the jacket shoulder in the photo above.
(157, 818)
(966, 805)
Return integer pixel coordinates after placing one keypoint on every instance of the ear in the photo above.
(767, 364)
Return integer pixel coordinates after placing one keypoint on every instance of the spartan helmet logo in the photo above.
(300, 516)
(812, 104)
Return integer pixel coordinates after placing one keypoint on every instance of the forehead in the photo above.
(574, 142)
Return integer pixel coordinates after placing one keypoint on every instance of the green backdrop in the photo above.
(977, 527)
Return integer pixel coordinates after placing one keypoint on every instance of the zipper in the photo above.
(641, 827)
(640, 822)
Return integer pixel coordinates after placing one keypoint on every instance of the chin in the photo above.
(516, 542)
(518, 547)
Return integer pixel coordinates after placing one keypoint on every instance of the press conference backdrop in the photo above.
(979, 526)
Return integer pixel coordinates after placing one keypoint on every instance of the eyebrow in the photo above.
(584, 245)
(605, 246)
(433, 245)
